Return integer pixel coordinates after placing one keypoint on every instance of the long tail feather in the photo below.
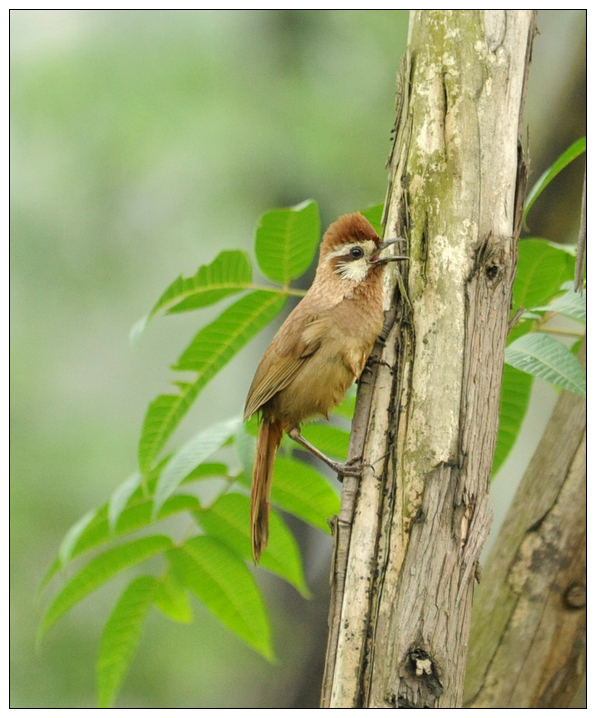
(268, 439)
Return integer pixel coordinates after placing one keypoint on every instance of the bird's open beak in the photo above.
(375, 259)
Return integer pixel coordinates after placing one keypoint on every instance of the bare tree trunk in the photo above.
(410, 532)
(528, 640)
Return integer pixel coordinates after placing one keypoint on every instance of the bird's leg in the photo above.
(350, 468)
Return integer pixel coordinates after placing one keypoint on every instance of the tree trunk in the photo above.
(528, 640)
(411, 530)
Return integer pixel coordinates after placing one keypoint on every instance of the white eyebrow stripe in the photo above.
(345, 248)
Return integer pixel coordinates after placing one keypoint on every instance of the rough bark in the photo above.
(528, 640)
(410, 532)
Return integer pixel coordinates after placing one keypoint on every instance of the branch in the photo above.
(528, 641)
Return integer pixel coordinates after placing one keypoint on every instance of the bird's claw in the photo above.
(353, 467)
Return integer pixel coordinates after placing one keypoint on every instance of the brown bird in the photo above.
(319, 351)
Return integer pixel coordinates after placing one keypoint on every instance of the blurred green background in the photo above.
(142, 144)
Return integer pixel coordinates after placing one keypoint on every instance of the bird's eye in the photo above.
(356, 252)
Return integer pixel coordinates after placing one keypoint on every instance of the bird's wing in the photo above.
(277, 370)
(267, 383)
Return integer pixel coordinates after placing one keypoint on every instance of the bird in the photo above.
(317, 354)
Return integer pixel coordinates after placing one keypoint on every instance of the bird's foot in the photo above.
(353, 467)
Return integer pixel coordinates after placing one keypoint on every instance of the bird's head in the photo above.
(351, 249)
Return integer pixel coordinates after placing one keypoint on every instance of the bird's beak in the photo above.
(375, 259)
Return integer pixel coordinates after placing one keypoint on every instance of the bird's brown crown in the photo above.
(348, 228)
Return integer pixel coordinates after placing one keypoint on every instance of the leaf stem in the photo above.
(289, 291)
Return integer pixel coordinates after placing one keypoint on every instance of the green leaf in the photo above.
(193, 453)
(374, 215)
(522, 327)
(515, 395)
(134, 518)
(146, 487)
(229, 273)
(303, 492)
(120, 498)
(137, 330)
(99, 570)
(66, 549)
(211, 349)
(541, 269)
(55, 566)
(93, 529)
(71, 544)
(251, 425)
(222, 582)
(329, 439)
(172, 600)
(228, 520)
(73, 535)
(121, 637)
(206, 471)
(548, 359)
(571, 304)
(216, 344)
(287, 240)
(576, 149)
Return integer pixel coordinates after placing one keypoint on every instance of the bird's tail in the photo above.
(268, 439)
